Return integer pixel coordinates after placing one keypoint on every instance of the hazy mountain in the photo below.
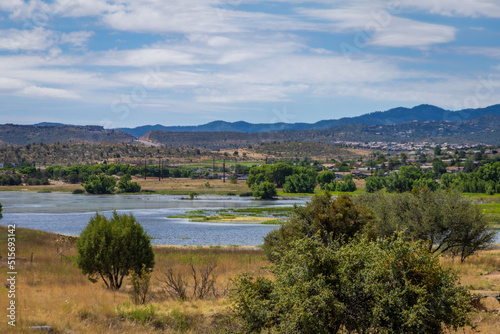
(399, 115)
(483, 129)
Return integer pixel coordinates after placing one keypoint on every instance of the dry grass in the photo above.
(174, 185)
(52, 291)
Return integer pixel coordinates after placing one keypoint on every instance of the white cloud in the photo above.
(467, 8)
(413, 34)
(77, 38)
(381, 28)
(142, 58)
(44, 92)
(490, 52)
(32, 40)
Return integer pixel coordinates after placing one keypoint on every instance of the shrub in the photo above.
(127, 186)
(111, 248)
(331, 219)
(264, 190)
(362, 287)
(99, 184)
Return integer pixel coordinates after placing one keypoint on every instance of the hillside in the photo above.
(399, 115)
(483, 129)
(11, 134)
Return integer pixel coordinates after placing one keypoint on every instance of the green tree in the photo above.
(438, 167)
(373, 184)
(99, 184)
(332, 219)
(360, 287)
(126, 185)
(300, 183)
(264, 190)
(444, 219)
(325, 178)
(112, 248)
(437, 150)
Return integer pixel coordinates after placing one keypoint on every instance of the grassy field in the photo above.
(51, 291)
(178, 186)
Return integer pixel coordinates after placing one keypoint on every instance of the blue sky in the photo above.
(185, 62)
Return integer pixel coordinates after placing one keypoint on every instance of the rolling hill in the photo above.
(11, 134)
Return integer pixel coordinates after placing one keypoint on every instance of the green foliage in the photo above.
(111, 248)
(408, 178)
(126, 185)
(373, 184)
(438, 167)
(485, 180)
(141, 283)
(363, 287)
(264, 190)
(332, 219)
(444, 219)
(233, 179)
(325, 178)
(99, 184)
(300, 183)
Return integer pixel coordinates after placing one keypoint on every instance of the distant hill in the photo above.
(399, 115)
(11, 134)
(483, 129)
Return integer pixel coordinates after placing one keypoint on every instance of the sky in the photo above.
(127, 63)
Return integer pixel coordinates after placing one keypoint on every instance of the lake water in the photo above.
(68, 214)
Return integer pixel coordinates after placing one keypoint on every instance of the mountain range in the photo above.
(420, 123)
(398, 115)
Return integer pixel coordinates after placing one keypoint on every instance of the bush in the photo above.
(78, 191)
(127, 186)
(264, 190)
(331, 219)
(112, 248)
(99, 184)
(362, 287)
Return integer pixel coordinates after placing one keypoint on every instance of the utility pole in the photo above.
(145, 165)
(213, 163)
(159, 169)
(224, 171)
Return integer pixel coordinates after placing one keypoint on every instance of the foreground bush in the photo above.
(111, 248)
(362, 286)
(331, 219)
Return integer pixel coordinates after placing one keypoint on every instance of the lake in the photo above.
(68, 214)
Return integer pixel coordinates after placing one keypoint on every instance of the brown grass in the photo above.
(174, 185)
(52, 291)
